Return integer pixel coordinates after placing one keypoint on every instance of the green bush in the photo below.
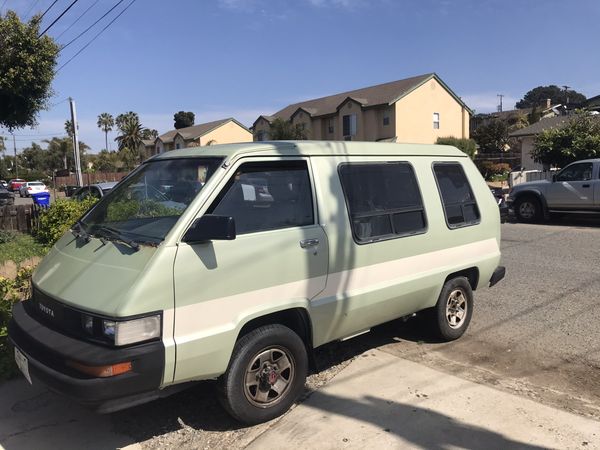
(11, 292)
(467, 146)
(493, 171)
(59, 217)
(6, 236)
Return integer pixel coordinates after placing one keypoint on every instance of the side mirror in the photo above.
(210, 227)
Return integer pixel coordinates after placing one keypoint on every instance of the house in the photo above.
(224, 131)
(418, 109)
(526, 137)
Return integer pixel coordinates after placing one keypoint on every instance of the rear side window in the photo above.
(459, 202)
(383, 200)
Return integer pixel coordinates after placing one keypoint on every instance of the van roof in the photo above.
(314, 148)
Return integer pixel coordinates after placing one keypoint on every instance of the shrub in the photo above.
(493, 171)
(467, 146)
(6, 236)
(59, 217)
(11, 292)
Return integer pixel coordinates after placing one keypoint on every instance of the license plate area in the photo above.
(22, 364)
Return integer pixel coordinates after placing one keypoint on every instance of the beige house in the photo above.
(418, 109)
(225, 131)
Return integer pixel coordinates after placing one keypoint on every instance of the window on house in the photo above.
(260, 135)
(436, 121)
(330, 126)
(267, 196)
(178, 145)
(386, 118)
(459, 202)
(349, 125)
(383, 201)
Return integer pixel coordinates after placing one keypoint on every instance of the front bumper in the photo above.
(47, 351)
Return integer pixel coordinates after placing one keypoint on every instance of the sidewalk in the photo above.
(382, 401)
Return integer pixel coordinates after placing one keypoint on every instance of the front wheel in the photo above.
(453, 309)
(528, 209)
(265, 376)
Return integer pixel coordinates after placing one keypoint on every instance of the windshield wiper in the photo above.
(114, 235)
(81, 233)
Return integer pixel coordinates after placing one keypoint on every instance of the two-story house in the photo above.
(418, 109)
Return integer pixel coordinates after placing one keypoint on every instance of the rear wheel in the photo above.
(453, 310)
(528, 209)
(265, 376)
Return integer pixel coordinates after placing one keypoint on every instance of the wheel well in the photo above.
(471, 274)
(536, 195)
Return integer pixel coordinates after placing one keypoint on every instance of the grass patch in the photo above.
(20, 247)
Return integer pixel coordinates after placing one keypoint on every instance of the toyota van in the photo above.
(235, 262)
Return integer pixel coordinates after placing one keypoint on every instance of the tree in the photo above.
(492, 137)
(148, 134)
(69, 128)
(281, 130)
(578, 138)
(184, 119)
(130, 140)
(105, 123)
(27, 65)
(467, 146)
(122, 118)
(106, 161)
(537, 97)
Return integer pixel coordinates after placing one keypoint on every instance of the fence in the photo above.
(523, 176)
(91, 178)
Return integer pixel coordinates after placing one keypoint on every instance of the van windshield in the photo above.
(146, 205)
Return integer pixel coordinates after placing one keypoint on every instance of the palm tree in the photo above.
(105, 123)
(130, 139)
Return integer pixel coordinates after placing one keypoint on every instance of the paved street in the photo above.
(534, 336)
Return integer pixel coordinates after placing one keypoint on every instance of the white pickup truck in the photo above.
(575, 189)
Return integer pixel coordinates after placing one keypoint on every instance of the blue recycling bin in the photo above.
(41, 199)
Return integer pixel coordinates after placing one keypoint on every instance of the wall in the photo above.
(227, 133)
(264, 126)
(527, 161)
(414, 115)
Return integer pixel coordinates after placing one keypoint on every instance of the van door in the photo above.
(277, 261)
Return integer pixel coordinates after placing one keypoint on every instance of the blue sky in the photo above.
(242, 58)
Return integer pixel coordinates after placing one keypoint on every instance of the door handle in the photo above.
(307, 243)
(585, 185)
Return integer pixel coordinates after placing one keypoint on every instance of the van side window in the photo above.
(267, 196)
(459, 202)
(383, 200)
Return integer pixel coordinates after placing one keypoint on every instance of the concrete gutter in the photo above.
(382, 401)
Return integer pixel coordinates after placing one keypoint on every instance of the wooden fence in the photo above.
(24, 218)
(90, 178)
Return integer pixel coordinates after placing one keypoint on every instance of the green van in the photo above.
(234, 262)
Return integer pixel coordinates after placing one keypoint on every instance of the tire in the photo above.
(269, 347)
(528, 209)
(454, 309)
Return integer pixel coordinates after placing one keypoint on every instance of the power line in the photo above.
(2, 7)
(30, 9)
(78, 18)
(58, 18)
(47, 9)
(32, 135)
(91, 26)
(97, 35)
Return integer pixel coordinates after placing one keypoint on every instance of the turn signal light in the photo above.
(102, 371)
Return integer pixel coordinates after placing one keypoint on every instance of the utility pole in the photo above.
(15, 149)
(76, 143)
(566, 88)
(500, 104)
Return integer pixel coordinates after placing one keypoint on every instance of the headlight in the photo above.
(122, 332)
(132, 331)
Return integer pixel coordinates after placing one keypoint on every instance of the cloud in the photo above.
(488, 102)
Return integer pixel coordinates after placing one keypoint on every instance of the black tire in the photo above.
(249, 403)
(454, 309)
(528, 209)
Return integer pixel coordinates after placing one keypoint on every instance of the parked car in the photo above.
(141, 296)
(6, 197)
(15, 184)
(575, 188)
(93, 190)
(3, 183)
(32, 187)
(498, 194)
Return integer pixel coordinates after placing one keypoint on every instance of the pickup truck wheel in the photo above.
(528, 209)
(265, 376)
(453, 309)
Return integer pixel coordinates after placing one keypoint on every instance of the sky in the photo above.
(243, 58)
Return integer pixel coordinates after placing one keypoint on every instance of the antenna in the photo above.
(500, 104)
